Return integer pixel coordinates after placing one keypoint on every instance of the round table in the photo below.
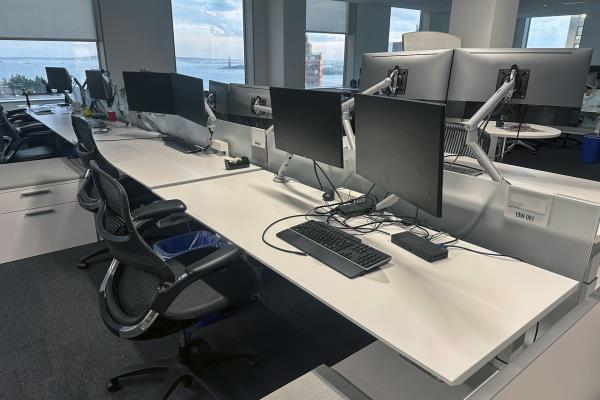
(536, 132)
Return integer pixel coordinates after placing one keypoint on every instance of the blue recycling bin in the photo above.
(177, 245)
(590, 149)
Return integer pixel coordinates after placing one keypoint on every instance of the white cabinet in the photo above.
(39, 212)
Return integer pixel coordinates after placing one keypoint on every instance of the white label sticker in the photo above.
(259, 138)
(528, 207)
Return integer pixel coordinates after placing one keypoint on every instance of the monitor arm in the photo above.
(390, 81)
(505, 91)
(81, 90)
(211, 118)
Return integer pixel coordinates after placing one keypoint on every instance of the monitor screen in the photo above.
(149, 92)
(400, 147)
(59, 79)
(98, 84)
(188, 97)
(309, 123)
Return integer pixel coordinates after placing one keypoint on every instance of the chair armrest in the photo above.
(15, 111)
(32, 128)
(159, 209)
(214, 261)
(217, 260)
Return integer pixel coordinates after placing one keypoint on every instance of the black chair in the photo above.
(144, 297)
(25, 143)
(88, 197)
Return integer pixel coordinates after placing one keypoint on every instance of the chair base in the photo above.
(84, 262)
(182, 369)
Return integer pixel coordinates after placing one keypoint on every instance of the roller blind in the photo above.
(326, 16)
(47, 20)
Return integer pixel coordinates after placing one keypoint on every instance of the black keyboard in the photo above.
(181, 145)
(461, 169)
(333, 247)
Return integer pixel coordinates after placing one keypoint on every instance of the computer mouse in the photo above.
(328, 195)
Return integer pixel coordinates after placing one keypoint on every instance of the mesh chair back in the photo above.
(86, 147)
(7, 129)
(455, 140)
(141, 272)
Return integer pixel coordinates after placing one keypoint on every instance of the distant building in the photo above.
(575, 31)
(397, 46)
(313, 66)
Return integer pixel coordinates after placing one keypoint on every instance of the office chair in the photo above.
(429, 41)
(25, 143)
(88, 197)
(144, 297)
(18, 117)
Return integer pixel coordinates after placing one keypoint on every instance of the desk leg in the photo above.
(493, 147)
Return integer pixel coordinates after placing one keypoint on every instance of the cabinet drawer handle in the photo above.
(40, 212)
(36, 193)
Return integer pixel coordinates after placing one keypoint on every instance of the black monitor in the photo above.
(188, 97)
(149, 92)
(98, 84)
(243, 97)
(59, 79)
(309, 123)
(400, 147)
(219, 97)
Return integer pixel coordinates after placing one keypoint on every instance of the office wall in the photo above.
(439, 21)
(371, 34)
(278, 37)
(484, 23)
(590, 36)
(136, 34)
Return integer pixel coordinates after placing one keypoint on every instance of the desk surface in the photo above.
(60, 122)
(155, 165)
(541, 132)
(449, 317)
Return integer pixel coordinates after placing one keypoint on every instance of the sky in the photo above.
(403, 20)
(44, 49)
(548, 31)
(208, 28)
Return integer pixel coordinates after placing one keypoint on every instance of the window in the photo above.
(23, 62)
(39, 33)
(402, 20)
(209, 39)
(555, 32)
(326, 29)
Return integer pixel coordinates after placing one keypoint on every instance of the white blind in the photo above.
(326, 16)
(47, 20)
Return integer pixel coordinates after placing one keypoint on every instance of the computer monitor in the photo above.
(59, 79)
(309, 123)
(219, 97)
(149, 92)
(243, 97)
(547, 77)
(98, 84)
(188, 98)
(400, 147)
(425, 74)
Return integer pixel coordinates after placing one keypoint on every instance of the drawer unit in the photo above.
(38, 196)
(42, 230)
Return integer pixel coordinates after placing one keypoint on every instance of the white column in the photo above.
(590, 37)
(484, 23)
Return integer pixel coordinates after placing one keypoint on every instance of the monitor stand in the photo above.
(181, 145)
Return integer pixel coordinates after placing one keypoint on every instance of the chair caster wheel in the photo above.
(251, 360)
(113, 385)
(83, 265)
(255, 297)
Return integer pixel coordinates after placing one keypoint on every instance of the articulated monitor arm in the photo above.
(211, 117)
(81, 90)
(505, 91)
(391, 81)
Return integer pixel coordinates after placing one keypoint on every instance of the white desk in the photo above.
(60, 122)
(155, 165)
(537, 132)
(450, 317)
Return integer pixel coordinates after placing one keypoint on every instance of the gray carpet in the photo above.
(53, 344)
